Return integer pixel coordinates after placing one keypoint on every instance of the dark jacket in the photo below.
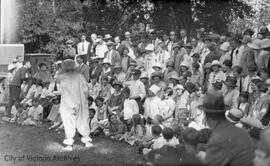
(229, 145)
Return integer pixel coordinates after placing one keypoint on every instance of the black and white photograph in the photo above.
(134, 82)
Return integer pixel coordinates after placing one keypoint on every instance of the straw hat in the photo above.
(157, 74)
(216, 63)
(107, 37)
(117, 83)
(174, 77)
(106, 61)
(234, 115)
(265, 43)
(225, 46)
(207, 65)
(110, 43)
(175, 45)
(150, 47)
(117, 66)
(94, 60)
(155, 89)
(213, 103)
(184, 64)
(58, 62)
(144, 75)
(252, 122)
(256, 44)
(158, 65)
(69, 42)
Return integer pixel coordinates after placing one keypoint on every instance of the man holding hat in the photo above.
(228, 145)
(69, 52)
(112, 55)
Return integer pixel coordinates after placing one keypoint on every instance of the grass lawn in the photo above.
(37, 146)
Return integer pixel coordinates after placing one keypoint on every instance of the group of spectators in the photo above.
(202, 98)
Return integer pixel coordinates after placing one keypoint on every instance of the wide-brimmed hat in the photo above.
(98, 40)
(230, 81)
(144, 75)
(252, 122)
(133, 63)
(225, 46)
(157, 74)
(58, 62)
(216, 63)
(69, 42)
(94, 60)
(174, 77)
(106, 61)
(11, 67)
(117, 66)
(68, 65)
(117, 83)
(107, 37)
(150, 47)
(184, 64)
(158, 65)
(234, 115)
(188, 45)
(255, 44)
(110, 43)
(263, 30)
(195, 55)
(175, 45)
(213, 102)
(265, 43)
(170, 63)
(155, 89)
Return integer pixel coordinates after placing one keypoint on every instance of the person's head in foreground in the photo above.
(262, 153)
(92, 113)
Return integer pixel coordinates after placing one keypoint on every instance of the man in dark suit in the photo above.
(83, 68)
(112, 55)
(228, 145)
(184, 37)
(118, 46)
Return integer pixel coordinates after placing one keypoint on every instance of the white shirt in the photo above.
(130, 108)
(136, 88)
(152, 107)
(100, 50)
(160, 142)
(35, 112)
(82, 48)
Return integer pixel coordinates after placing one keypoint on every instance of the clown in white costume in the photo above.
(74, 105)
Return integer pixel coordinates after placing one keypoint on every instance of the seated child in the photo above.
(39, 89)
(94, 87)
(54, 115)
(18, 113)
(35, 114)
(93, 123)
(31, 92)
(130, 107)
(147, 141)
(168, 138)
(101, 109)
(116, 128)
(190, 140)
(150, 122)
(137, 130)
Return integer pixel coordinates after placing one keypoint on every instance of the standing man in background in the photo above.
(82, 47)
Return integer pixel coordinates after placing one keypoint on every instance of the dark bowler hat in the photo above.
(213, 102)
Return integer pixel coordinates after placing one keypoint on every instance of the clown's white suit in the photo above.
(74, 106)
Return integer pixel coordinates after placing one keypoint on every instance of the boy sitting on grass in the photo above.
(35, 114)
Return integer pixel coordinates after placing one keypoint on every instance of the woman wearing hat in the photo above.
(230, 92)
(74, 105)
(118, 73)
(116, 99)
(157, 79)
(216, 74)
(184, 69)
(151, 104)
(106, 69)
(260, 106)
(95, 68)
(177, 88)
(169, 71)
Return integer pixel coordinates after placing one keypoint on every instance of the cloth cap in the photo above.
(107, 36)
(216, 63)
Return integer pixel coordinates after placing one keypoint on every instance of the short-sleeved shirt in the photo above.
(35, 112)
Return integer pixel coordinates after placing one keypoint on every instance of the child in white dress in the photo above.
(35, 114)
